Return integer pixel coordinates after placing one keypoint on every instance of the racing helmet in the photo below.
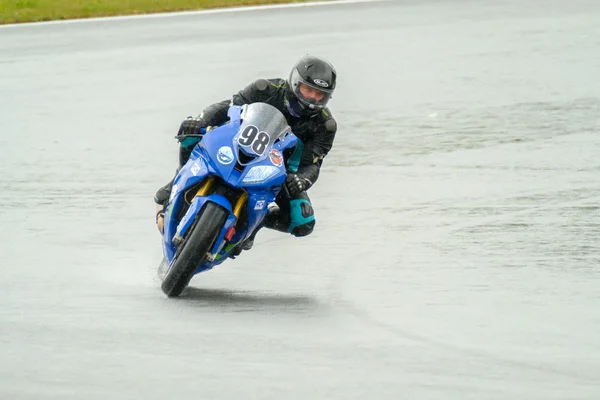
(311, 85)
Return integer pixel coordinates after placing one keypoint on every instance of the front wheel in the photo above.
(194, 249)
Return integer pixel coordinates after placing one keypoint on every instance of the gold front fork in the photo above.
(239, 205)
(205, 187)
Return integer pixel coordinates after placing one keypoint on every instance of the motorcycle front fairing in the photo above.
(220, 154)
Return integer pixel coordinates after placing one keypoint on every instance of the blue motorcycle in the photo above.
(221, 194)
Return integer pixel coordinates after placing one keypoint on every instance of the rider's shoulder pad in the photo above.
(261, 85)
(330, 125)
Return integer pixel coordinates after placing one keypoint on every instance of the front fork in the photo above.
(206, 185)
(226, 235)
(239, 204)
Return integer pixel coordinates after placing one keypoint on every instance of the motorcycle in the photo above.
(223, 191)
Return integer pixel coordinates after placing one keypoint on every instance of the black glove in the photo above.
(296, 185)
(192, 126)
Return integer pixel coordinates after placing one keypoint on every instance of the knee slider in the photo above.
(302, 217)
(304, 229)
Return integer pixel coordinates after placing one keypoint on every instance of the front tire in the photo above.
(194, 249)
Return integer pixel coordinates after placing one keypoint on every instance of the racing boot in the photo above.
(249, 242)
(246, 244)
(160, 218)
(161, 198)
(276, 220)
(164, 193)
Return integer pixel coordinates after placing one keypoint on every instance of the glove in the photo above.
(192, 126)
(296, 185)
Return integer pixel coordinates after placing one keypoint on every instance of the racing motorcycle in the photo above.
(223, 191)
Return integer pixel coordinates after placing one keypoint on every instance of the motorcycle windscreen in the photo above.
(262, 125)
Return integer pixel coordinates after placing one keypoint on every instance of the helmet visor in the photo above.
(314, 95)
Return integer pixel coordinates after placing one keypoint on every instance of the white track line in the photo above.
(189, 13)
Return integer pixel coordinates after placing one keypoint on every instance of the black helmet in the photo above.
(310, 85)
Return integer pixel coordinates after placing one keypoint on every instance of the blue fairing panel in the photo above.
(245, 154)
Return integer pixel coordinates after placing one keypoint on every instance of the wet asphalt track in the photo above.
(456, 253)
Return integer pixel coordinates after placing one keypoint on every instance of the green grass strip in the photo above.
(16, 11)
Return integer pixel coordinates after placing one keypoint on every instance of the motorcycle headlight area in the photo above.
(260, 173)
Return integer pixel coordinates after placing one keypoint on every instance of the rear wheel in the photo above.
(194, 249)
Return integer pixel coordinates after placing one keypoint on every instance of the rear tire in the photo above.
(195, 248)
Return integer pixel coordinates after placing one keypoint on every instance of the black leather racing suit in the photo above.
(316, 135)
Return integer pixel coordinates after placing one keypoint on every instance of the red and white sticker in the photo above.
(276, 157)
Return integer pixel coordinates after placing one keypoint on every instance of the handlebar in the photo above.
(196, 135)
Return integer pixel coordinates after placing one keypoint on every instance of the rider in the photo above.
(302, 99)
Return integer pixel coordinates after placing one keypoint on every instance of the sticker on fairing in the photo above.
(195, 168)
(253, 139)
(276, 157)
(225, 155)
(173, 192)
